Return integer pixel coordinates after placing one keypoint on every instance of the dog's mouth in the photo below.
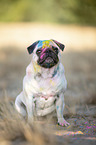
(48, 60)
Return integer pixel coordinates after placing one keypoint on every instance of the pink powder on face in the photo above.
(43, 50)
(41, 57)
(46, 97)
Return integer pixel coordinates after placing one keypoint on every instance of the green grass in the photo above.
(56, 11)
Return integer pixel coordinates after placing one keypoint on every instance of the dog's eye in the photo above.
(56, 50)
(38, 51)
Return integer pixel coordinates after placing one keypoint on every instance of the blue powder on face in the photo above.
(40, 44)
(44, 43)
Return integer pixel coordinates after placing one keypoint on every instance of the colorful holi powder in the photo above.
(57, 107)
(89, 130)
(36, 67)
(67, 133)
(86, 122)
(41, 57)
(43, 44)
(94, 126)
(52, 82)
(41, 89)
(40, 44)
(87, 127)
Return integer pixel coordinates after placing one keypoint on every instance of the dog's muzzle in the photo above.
(48, 58)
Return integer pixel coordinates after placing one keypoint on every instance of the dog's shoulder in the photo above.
(29, 70)
(61, 79)
(29, 74)
(61, 70)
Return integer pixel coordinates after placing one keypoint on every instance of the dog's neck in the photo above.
(50, 73)
(45, 72)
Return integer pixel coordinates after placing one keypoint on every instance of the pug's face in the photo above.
(47, 56)
(46, 53)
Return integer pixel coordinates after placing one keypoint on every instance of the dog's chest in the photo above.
(39, 85)
(47, 86)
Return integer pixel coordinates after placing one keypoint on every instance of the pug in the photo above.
(44, 83)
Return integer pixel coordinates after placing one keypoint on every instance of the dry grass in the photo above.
(15, 130)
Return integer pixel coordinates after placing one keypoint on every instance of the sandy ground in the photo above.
(79, 60)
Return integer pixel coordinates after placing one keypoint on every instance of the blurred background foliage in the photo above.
(81, 12)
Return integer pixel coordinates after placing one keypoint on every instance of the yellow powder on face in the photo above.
(46, 43)
(36, 68)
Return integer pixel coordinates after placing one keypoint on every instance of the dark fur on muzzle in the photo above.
(48, 58)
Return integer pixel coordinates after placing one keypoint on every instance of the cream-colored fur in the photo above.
(42, 92)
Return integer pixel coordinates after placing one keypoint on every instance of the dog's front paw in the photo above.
(63, 122)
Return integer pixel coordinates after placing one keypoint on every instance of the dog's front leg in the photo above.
(59, 109)
(29, 107)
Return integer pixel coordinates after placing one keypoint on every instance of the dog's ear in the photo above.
(60, 45)
(32, 47)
